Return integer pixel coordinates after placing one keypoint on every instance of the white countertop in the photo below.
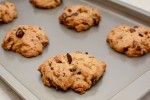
(7, 93)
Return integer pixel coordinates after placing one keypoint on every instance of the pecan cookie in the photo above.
(80, 17)
(7, 12)
(26, 40)
(77, 71)
(47, 4)
(132, 41)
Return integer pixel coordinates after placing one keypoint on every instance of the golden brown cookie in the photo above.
(78, 71)
(7, 12)
(26, 40)
(132, 41)
(80, 17)
(47, 4)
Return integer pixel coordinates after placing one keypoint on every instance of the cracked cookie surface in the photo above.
(78, 71)
(80, 17)
(26, 40)
(7, 12)
(47, 4)
(133, 41)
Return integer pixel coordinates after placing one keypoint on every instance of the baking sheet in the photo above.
(120, 72)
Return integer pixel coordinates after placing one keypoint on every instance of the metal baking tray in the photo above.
(125, 78)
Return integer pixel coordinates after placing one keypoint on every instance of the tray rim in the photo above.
(22, 91)
(129, 9)
(14, 84)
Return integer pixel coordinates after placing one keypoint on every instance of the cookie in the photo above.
(134, 41)
(80, 17)
(46, 4)
(78, 71)
(7, 12)
(26, 40)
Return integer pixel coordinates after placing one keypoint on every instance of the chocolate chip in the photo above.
(75, 14)
(1, 20)
(64, 74)
(138, 48)
(69, 10)
(86, 52)
(132, 30)
(134, 44)
(135, 26)
(96, 22)
(9, 39)
(50, 63)
(19, 33)
(140, 35)
(125, 49)
(85, 23)
(40, 28)
(79, 73)
(52, 68)
(69, 58)
(91, 57)
(64, 15)
(73, 69)
(146, 33)
(56, 1)
(93, 80)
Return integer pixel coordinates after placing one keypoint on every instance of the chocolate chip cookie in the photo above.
(26, 40)
(132, 41)
(78, 71)
(80, 17)
(7, 12)
(47, 4)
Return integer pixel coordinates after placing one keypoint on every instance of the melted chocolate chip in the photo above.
(1, 20)
(138, 48)
(79, 73)
(85, 23)
(135, 26)
(19, 33)
(50, 63)
(125, 49)
(146, 33)
(134, 44)
(69, 58)
(73, 69)
(9, 39)
(69, 10)
(95, 22)
(64, 15)
(132, 30)
(86, 52)
(75, 14)
(140, 35)
(93, 80)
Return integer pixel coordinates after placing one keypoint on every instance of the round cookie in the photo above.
(26, 40)
(7, 12)
(132, 41)
(47, 4)
(77, 71)
(80, 17)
